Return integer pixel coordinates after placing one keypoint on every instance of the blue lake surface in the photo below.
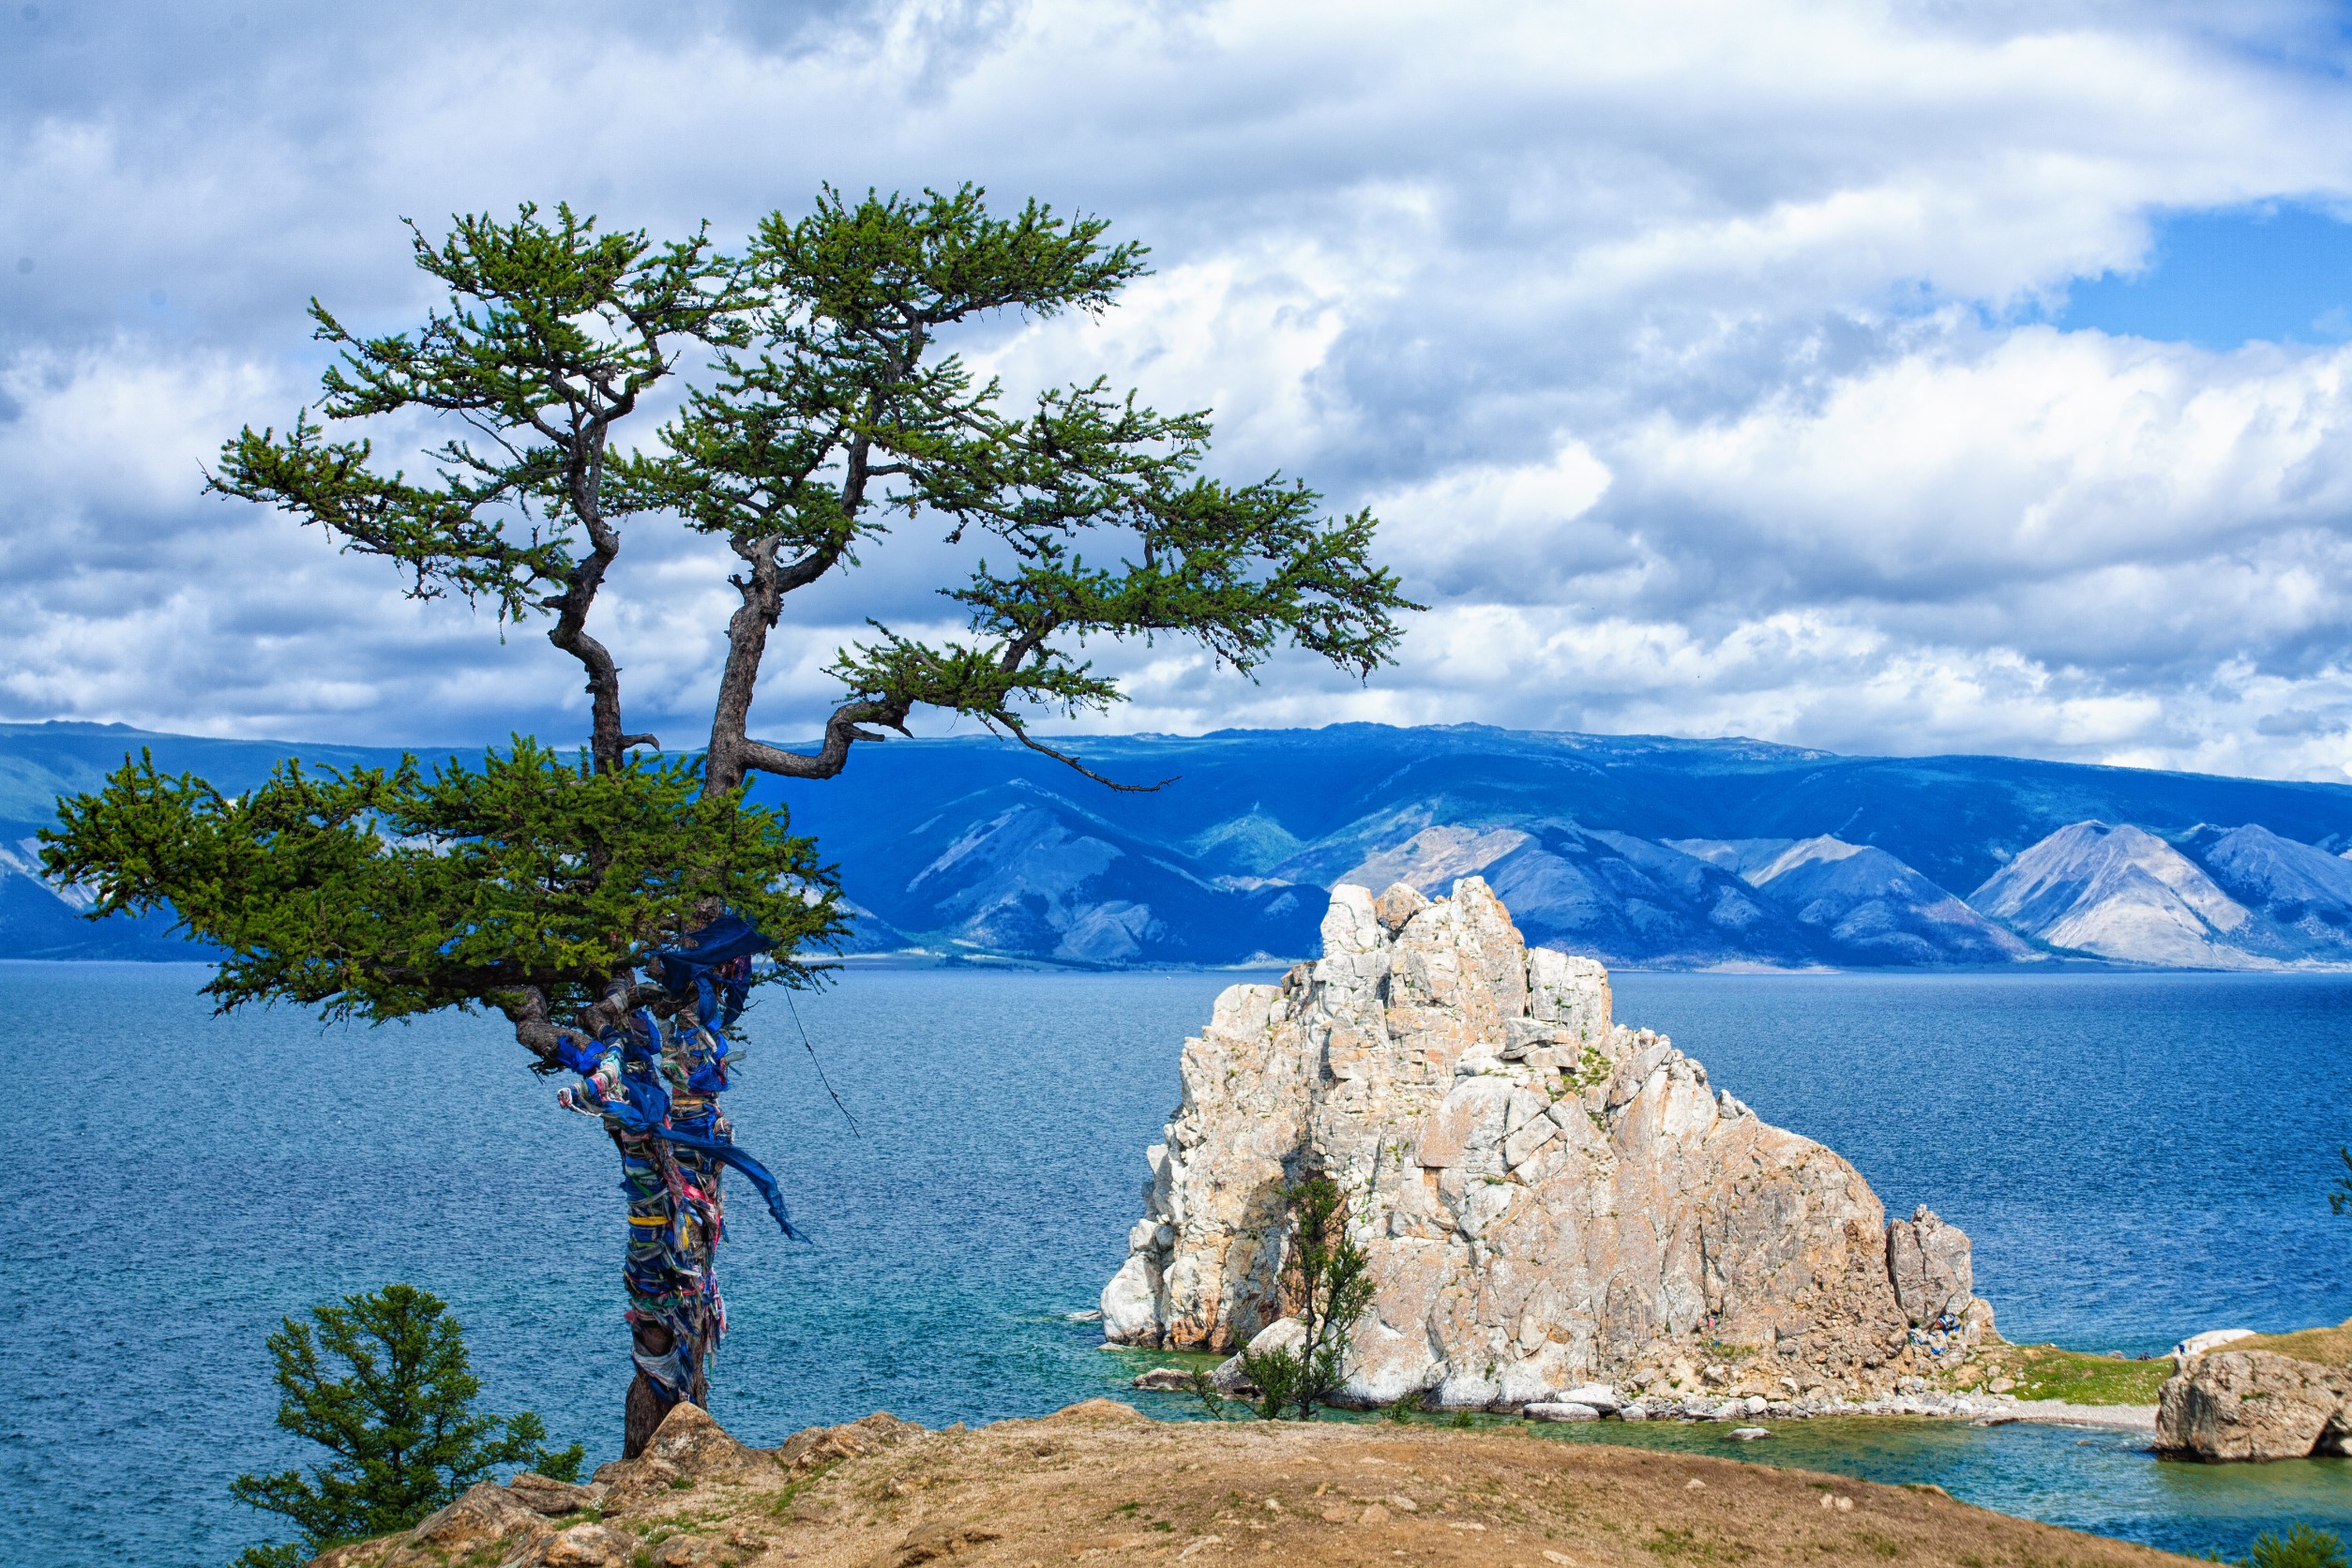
(2136, 1156)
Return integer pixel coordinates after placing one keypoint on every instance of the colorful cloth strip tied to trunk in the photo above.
(656, 1090)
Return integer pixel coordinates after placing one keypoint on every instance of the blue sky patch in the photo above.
(2220, 279)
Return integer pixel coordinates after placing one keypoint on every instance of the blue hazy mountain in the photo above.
(1639, 848)
(2241, 897)
(1865, 905)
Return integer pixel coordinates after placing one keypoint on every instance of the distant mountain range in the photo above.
(1640, 849)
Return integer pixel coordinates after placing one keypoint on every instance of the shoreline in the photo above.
(2057, 1412)
(1979, 1410)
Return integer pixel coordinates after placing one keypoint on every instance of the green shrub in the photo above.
(400, 1426)
(1330, 1278)
(2299, 1548)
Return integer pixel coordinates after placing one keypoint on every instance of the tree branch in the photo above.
(841, 732)
(1022, 735)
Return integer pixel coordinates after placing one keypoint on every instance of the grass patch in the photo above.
(2048, 1372)
(780, 1505)
(1681, 1546)
(2328, 1347)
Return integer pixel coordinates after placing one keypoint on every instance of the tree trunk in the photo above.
(641, 1416)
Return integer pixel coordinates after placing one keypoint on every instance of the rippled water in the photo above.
(2136, 1157)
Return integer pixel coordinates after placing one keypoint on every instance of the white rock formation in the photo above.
(1550, 1201)
(2211, 1340)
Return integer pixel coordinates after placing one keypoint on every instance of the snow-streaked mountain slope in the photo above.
(1625, 898)
(1869, 907)
(2303, 893)
(2120, 892)
(38, 921)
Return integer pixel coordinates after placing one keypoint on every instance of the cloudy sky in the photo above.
(1882, 377)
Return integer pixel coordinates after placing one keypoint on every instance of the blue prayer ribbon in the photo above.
(726, 1153)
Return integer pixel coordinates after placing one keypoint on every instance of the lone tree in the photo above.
(822, 400)
(1327, 1282)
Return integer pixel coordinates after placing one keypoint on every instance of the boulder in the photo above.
(551, 1498)
(1131, 1301)
(1599, 1396)
(813, 1447)
(933, 1543)
(1929, 1261)
(1559, 1409)
(1548, 1199)
(1162, 1379)
(1283, 1333)
(484, 1515)
(693, 1444)
(2229, 1405)
(1395, 908)
(488, 1523)
(1232, 1377)
(590, 1546)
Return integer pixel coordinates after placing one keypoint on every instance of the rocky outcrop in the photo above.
(526, 1523)
(2254, 1405)
(1927, 1261)
(1549, 1199)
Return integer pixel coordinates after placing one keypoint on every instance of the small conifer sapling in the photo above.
(398, 1424)
(1328, 1279)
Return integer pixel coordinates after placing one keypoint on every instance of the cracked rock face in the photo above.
(2254, 1405)
(1549, 1199)
(1929, 1261)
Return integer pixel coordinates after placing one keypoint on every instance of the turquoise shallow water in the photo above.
(2137, 1158)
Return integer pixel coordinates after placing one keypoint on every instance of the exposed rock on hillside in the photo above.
(1868, 906)
(2120, 892)
(633, 1503)
(1548, 1197)
(1929, 1265)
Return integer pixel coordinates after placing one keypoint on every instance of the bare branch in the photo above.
(841, 732)
(1022, 735)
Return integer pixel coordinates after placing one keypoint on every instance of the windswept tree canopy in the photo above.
(821, 399)
(526, 886)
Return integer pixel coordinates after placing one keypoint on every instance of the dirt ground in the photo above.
(1100, 1483)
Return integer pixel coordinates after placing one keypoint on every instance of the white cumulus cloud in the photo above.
(1691, 351)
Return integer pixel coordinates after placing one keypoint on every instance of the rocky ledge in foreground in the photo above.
(1101, 1483)
(2285, 1397)
(1550, 1201)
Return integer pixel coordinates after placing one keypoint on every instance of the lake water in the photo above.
(2137, 1158)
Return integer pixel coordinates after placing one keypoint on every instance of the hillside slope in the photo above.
(1098, 1481)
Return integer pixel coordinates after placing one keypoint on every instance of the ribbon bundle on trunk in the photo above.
(656, 1089)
